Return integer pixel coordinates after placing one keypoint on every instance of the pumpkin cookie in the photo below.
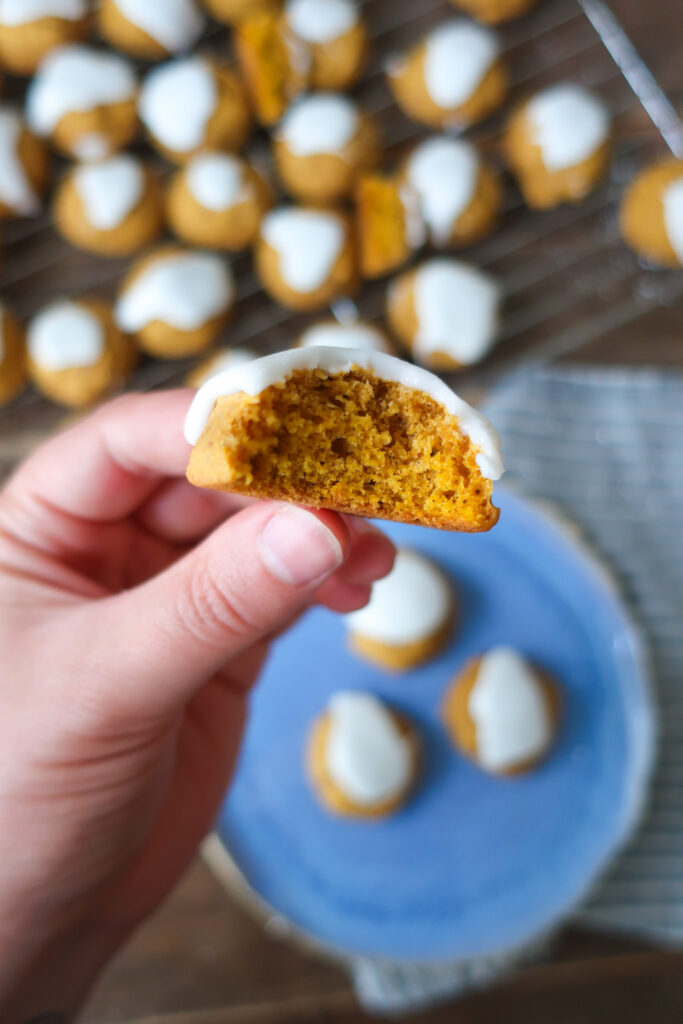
(150, 29)
(275, 64)
(330, 333)
(30, 29)
(23, 166)
(335, 37)
(651, 215)
(390, 226)
(12, 357)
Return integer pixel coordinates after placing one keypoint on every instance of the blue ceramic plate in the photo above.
(472, 865)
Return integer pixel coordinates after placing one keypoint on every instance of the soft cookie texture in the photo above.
(12, 357)
(217, 362)
(390, 226)
(30, 29)
(494, 11)
(501, 712)
(335, 38)
(651, 214)
(355, 431)
(358, 334)
(23, 166)
(150, 29)
(409, 617)
(362, 756)
(275, 65)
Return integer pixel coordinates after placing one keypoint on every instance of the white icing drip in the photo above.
(16, 190)
(183, 290)
(321, 123)
(255, 377)
(308, 243)
(23, 12)
(366, 756)
(457, 310)
(568, 123)
(224, 360)
(321, 21)
(672, 203)
(509, 711)
(443, 172)
(330, 334)
(109, 191)
(76, 78)
(458, 55)
(177, 101)
(65, 336)
(91, 146)
(217, 181)
(174, 24)
(412, 603)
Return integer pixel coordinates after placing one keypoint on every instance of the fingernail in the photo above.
(298, 549)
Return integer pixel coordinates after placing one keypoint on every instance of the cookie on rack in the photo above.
(445, 312)
(275, 65)
(390, 226)
(76, 352)
(217, 362)
(232, 12)
(112, 207)
(355, 334)
(175, 301)
(359, 432)
(453, 77)
(363, 756)
(217, 201)
(557, 143)
(12, 356)
(150, 29)
(24, 164)
(651, 213)
(84, 101)
(335, 38)
(30, 29)
(492, 12)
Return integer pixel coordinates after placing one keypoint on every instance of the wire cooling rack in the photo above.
(567, 276)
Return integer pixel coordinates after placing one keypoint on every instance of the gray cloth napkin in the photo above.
(605, 447)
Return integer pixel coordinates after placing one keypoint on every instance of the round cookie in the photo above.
(558, 146)
(306, 257)
(223, 359)
(175, 301)
(362, 756)
(12, 357)
(651, 214)
(217, 201)
(322, 145)
(76, 353)
(84, 101)
(335, 37)
(502, 713)
(30, 29)
(409, 617)
(192, 104)
(445, 312)
(453, 77)
(111, 208)
(150, 29)
(459, 195)
(492, 12)
(23, 166)
(232, 12)
(358, 335)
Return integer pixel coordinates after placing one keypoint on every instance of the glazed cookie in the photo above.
(306, 257)
(362, 757)
(23, 166)
(329, 333)
(494, 11)
(175, 301)
(12, 357)
(30, 29)
(445, 312)
(111, 208)
(232, 12)
(459, 195)
(76, 353)
(389, 223)
(217, 201)
(84, 101)
(558, 146)
(223, 359)
(409, 617)
(192, 104)
(651, 215)
(275, 65)
(150, 29)
(453, 77)
(322, 145)
(501, 712)
(335, 38)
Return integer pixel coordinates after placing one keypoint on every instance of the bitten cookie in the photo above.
(445, 312)
(390, 226)
(30, 29)
(150, 29)
(111, 208)
(362, 756)
(223, 359)
(76, 353)
(651, 214)
(558, 145)
(12, 357)
(23, 166)
(492, 12)
(360, 335)
(502, 713)
(335, 38)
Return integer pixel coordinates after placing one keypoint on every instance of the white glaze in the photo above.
(23, 12)
(457, 308)
(568, 123)
(672, 203)
(366, 756)
(225, 359)
(327, 333)
(217, 181)
(308, 243)
(91, 146)
(509, 711)
(321, 21)
(177, 101)
(65, 336)
(457, 56)
(174, 24)
(322, 123)
(253, 378)
(183, 290)
(443, 172)
(110, 190)
(412, 603)
(16, 190)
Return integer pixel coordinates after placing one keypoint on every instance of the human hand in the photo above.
(135, 613)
